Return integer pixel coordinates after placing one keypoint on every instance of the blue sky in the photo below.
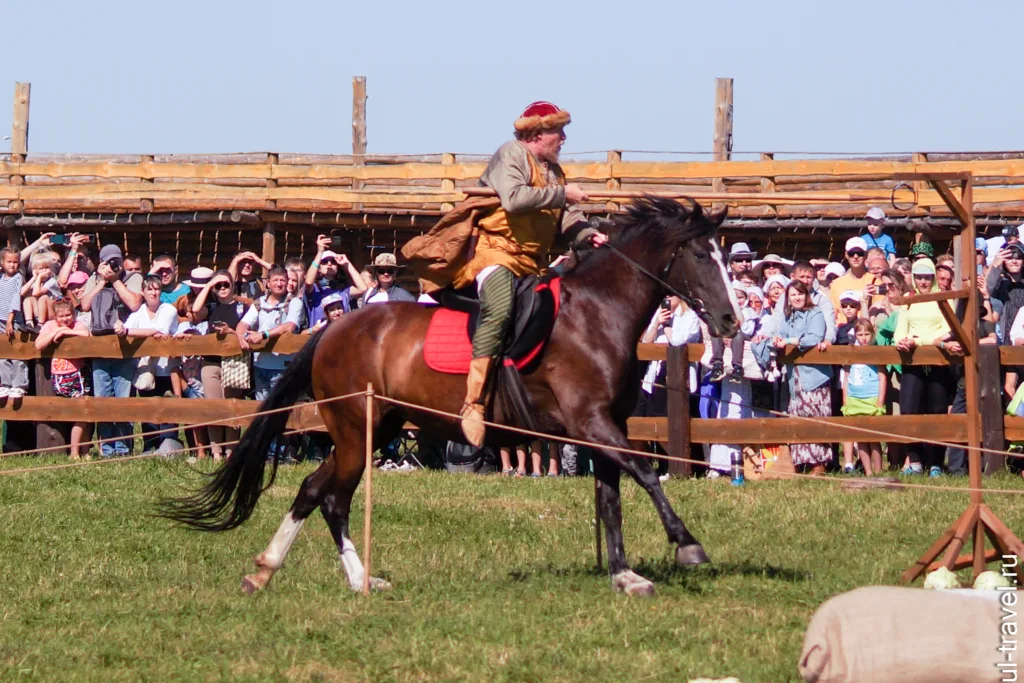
(145, 77)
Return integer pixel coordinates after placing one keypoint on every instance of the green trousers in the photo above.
(496, 298)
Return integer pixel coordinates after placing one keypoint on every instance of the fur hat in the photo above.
(540, 116)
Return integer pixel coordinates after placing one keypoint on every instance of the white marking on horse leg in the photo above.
(273, 556)
(716, 254)
(351, 563)
(629, 582)
(354, 568)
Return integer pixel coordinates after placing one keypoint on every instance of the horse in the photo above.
(584, 386)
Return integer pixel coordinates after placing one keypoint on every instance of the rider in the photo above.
(535, 206)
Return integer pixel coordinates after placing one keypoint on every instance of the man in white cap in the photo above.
(857, 278)
(876, 237)
(741, 259)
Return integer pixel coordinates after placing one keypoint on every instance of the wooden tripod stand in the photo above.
(978, 519)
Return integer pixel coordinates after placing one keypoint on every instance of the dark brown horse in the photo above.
(584, 386)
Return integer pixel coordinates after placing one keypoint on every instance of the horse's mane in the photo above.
(653, 224)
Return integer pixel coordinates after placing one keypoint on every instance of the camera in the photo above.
(882, 289)
(115, 264)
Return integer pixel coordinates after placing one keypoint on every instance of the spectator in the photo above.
(863, 394)
(857, 278)
(1008, 235)
(1005, 286)
(772, 264)
(39, 293)
(506, 462)
(370, 281)
(831, 272)
(747, 279)
(133, 265)
(904, 266)
(946, 259)
(775, 287)
(243, 273)
(43, 243)
(222, 316)
(876, 262)
(803, 271)
(850, 308)
(922, 250)
(68, 375)
(77, 260)
(324, 278)
(110, 301)
(296, 268)
(74, 292)
(924, 389)
(269, 317)
(13, 373)
(166, 268)
(820, 275)
(885, 318)
(876, 236)
(334, 308)
(944, 278)
(385, 268)
(755, 302)
(741, 259)
(158, 320)
(956, 458)
(188, 379)
(809, 390)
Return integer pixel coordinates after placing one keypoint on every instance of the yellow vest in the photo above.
(514, 240)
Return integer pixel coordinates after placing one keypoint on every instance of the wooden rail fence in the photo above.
(678, 430)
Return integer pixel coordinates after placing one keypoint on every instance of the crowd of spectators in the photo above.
(65, 285)
(817, 303)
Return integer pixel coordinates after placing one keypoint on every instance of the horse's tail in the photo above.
(230, 496)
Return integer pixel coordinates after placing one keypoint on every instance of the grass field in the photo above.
(494, 580)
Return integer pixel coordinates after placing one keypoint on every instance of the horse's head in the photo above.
(690, 260)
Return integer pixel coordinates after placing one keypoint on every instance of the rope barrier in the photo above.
(644, 454)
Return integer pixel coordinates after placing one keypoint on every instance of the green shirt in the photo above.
(884, 334)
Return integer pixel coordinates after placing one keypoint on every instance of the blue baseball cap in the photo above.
(981, 245)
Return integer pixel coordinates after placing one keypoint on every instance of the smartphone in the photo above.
(336, 243)
(58, 239)
(666, 304)
(881, 289)
(981, 269)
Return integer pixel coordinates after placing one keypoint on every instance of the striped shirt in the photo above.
(10, 297)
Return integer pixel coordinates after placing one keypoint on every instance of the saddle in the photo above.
(448, 346)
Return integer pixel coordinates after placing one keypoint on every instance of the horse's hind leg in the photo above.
(270, 560)
(349, 451)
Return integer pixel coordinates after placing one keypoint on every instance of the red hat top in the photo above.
(541, 116)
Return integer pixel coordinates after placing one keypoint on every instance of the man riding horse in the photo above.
(536, 204)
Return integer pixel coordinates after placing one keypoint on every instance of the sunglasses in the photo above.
(328, 260)
(856, 253)
(163, 271)
(849, 304)
(386, 271)
(222, 285)
(742, 259)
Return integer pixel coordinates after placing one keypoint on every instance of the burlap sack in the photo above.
(437, 256)
(910, 635)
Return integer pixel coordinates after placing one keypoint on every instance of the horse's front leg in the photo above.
(604, 430)
(609, 504)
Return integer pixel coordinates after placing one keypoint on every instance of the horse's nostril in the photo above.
(729, 318)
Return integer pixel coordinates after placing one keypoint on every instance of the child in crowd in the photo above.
(69, 378)
(864, 388)
(39, 293)
(716, 373)
(850, 304)
(876, 236)
(334, 308)
(13, 373)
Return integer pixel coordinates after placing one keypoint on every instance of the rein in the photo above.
(693, 302)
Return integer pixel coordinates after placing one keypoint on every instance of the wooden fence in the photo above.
(678, 430)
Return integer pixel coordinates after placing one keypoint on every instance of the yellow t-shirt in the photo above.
(850, 282)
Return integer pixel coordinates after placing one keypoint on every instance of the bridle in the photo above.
(692, 301)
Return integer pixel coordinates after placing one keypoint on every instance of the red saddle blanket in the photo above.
(448, 347)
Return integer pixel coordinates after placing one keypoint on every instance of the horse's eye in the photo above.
(700, 255)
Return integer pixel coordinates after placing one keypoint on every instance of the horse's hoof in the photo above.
(631, 583)
(691, 554)
(251, 584)
(379, 584)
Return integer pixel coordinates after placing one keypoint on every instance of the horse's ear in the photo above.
(717, 218)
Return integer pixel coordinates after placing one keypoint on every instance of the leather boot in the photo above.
(473, 407)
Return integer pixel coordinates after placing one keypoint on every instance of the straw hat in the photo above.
(385, 260)
(770, 260)
(198, 277)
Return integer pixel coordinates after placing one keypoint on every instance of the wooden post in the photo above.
(723, 127)
(358, 130)
(270, 229)
(677, 385)
(447, 185)
(597, 518)
(614, 157)
(19, 150)
(991, 402)
(146, 205)
(768, 182)
(368, 508)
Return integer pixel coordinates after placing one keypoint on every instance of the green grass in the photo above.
(493, 577)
